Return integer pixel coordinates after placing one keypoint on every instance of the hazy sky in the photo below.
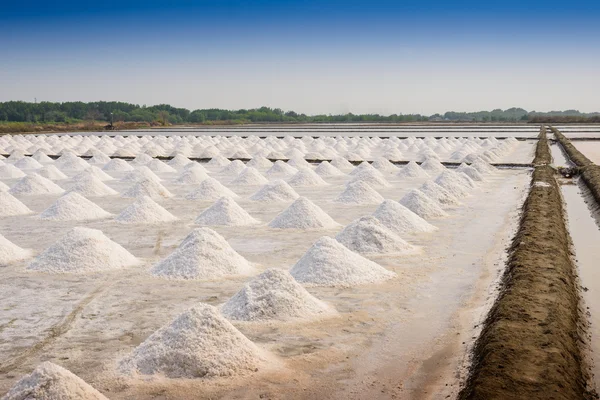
(309, 56)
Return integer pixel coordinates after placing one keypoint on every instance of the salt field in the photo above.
(200, 265)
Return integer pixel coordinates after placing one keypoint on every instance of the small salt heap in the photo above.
(210, 189)
(274, 295)
(281, 169)
(203, 254)
(367, 235)
(82, 250)
(144, 211)
(432, 166)
(117, 165)
(147, 187)
(276, 191)
(91, 186)
(325, 169)
(52, 382)
(306, 177)
(192, 176)
(249, 177)
(9, 171)
(439, 194)
(11, 206)
(400, 219)
(73, 207)
(27, 163)
(179, 161)
(412, 170)
(200, 343)
(225, 212)
(93, 171)
(34, 184)
(471, 172)
(425, 207)
(303, 214)
(10, 252)
(330, 263)
(158, 166)
(52, 173)
(452, 183)
(359, 193)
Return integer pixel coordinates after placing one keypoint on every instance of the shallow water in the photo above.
(586, 236)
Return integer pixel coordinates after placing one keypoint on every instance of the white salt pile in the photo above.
(471, 172)
(4, 187)
(384, 165)
(11, 206)
(364, 167)
(400, 219)
(359, 193)
(10, 252)
(218, 161)
(139, 174)
(233, 168)
(90, 186)
(192, 176)
(412, 170)
(274, 295)
(9, 171)
(367, 235)
(179, 161)
(260, 163)
(249, 177)
(439, 194)
(27, 163)
(82, 250)
(225, 212)
(200, 343)
(117, 165)
(432, 166)
(147, 187)
(158, 166)
(483, 167)
(425, 207)
(142, 159)
(51, 172)
(73, 207)
(144, 211)
(93, 171)
(452, 183)
(99, 158)
(34, 184)
(281, 169)
(203, 254)
(306, 177)
(303, 214)
(325, 169)
(330, 263)
(52, 382)
(210, 189)
(70, 162)
(41, 157)
(372, 177)
(276, 191)
(342, 164)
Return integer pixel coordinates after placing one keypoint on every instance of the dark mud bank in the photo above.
(531, 343)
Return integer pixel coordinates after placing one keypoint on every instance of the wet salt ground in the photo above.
(590, 149)
(395, 326)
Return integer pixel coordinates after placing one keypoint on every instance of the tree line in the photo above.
(107, 111)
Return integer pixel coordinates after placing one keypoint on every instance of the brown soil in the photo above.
(531, 343)
(543, 156)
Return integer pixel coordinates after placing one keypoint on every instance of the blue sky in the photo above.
(310, 56)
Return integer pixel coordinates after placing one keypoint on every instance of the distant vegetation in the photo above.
(164, 114)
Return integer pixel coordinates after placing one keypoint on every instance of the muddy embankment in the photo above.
(530, 346)
(590, 172)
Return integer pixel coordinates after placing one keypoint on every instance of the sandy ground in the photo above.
(405, 338)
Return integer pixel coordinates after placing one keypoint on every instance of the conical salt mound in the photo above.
(155, 165)
(452, 183)
(432, 166)
(249, 176)
(10, 252)
(191, 176)
(117, 165)
(4, 187)
(73, 207)
(203, 254)
(41, 157)
(425, 207)
(218, 161)
(51, 172)
(225, 212)
(144, 211)
(412, 170)
(330, 263)
(306, 177)
(27, 163)
(326, 169)
(9, 171)
(90, 186)
(439, 194)
(483, 167)
(281, 169)
(359, 193)
(234, 168)
(35, 185)
(342, 164)
(93, 171)
(10, 206)
(52, 382)
(367, 235)
(179, 161)
(210, 189)
(303, 214)
(83, 250)
(147, 187)
(200, 343)
(372, 177)
(139, 174)
(471, 172)
(400, 219)
(276, 191)
(274, 295)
